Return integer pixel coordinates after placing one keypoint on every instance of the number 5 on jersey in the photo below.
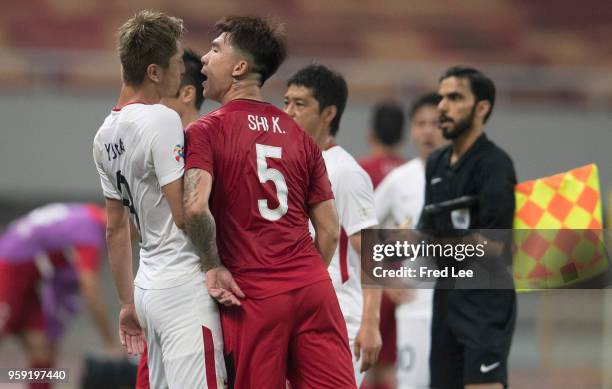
(266, 174)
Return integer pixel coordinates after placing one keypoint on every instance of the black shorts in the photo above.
(471, 335)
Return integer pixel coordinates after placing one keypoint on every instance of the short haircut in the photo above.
(328, 88)
(388, 123)
(193, 75)
(431, 99)
(482, 86)
(149, 37)
(264, 44)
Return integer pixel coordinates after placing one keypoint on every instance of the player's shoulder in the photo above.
(408, 169)
(344, 163)
(496, 156)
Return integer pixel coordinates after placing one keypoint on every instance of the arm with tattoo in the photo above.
(200, 227)
(200, 223)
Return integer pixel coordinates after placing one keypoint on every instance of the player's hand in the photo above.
(368, 344)
(222, 287)
(400, 296)
(130, 332)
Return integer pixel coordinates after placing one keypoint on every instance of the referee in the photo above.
(469, 185)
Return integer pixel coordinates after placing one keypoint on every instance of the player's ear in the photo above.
(241, 69)
(188, 94)
(329, 113)
(482, 108)
(154, 73)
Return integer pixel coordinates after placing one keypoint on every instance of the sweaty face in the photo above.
(217, 67)
(301, 105)
(171, 80)
(457, 107)
(425, 130)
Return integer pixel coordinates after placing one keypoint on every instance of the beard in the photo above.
(460, 127)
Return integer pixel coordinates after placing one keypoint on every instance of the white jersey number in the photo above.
(268, 174)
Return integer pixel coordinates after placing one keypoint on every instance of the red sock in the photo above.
(40, 366)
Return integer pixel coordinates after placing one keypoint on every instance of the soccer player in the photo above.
(315, 99)
(399, 200)
(262, 177)
(138, 153)
(187, 103)
(47, 259)
(471, 328)
(385, 140)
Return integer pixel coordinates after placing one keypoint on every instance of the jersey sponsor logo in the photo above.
(261, 123)
(461, 218)
(487, 368)
(179, 152)
(114, 150)
(436, 180)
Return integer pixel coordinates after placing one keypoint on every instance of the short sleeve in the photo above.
(167, 147)
(355, 201)
(108, 189)
(199, 149)
(87, 258)
(319, 188)
(496, 195)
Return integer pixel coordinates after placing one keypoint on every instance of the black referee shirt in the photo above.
(485, 173)
(475, 194)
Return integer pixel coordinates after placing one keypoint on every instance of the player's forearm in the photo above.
(326, 243)
(120, 259)
(90, 289)
(371, 306)
(201, 228)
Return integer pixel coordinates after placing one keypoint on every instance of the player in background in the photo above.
(385, 139)
(47, 259)
(139, 157)
(187, 103)
(399, 201)
(190, 96)
(281, 319)
(315, 98)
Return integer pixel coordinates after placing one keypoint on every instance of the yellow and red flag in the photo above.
(558, 230)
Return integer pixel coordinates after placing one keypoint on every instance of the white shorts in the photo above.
(414, 341)
(184, 339)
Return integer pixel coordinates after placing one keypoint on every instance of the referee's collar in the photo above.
(480, 143)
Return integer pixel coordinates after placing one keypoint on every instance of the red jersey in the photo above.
(267, 172)
(379, 166)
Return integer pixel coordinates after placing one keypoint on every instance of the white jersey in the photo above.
(401, 195)
(354, 197)
(399, 201)
(137, 150)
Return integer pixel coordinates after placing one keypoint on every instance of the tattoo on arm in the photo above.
(201, 227)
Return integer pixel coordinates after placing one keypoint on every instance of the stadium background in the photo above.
(551, 62)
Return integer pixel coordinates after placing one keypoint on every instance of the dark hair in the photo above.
(149, 37)
(328, 88)
(263, 43)
(482, 86)
(388, 123)
(422, 101)
(193, 75)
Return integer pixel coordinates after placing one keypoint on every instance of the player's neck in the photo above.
(145, 93)
(189, 116)
(463, 143)
(243, 89)
(326, 142)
